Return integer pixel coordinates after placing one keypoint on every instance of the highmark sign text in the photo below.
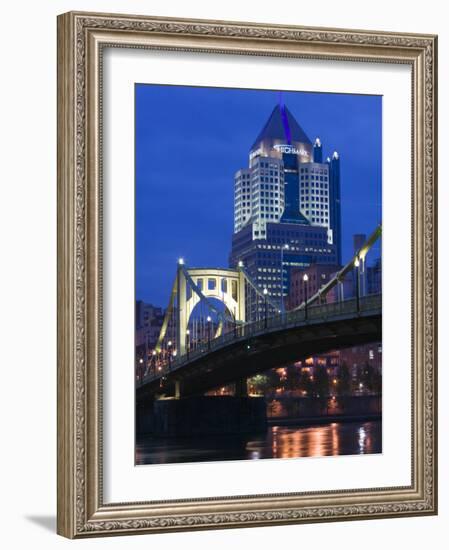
(289, 149)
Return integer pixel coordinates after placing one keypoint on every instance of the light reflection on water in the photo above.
(278, 442)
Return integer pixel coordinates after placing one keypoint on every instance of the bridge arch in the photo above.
(198, 284)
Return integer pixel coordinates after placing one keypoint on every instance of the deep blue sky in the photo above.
(189, 143)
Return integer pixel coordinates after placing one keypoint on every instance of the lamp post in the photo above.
(187, 342)
(169, 345)
(209, 321)
(305, 278)
(357, 282)
(140, 369)
(265, 293)
(145, 357)
(154, 361)
(284, 247)
(240, 266)
(180, 291)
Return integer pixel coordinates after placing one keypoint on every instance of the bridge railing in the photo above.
(304, 316)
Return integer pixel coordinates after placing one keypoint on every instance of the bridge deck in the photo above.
(271, 342)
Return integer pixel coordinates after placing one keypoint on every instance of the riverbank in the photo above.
(322, 420)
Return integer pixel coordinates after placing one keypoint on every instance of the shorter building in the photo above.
(149, 321)
(320, 273)
(374, 277)
(343, 291)
(317, 276)
(359, 356)
(370, 275)
(358, 361)
(330, 361)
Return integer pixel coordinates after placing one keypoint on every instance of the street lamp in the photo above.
(169, 345)
(187, 342)
(357, 282)
(335, 383)
(305, 278)
(140, 369)
(209, 321)
(154, 360)
(265, 293)
(284, 247)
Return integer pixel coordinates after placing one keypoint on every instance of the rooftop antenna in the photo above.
(281, 100)
(285, 124)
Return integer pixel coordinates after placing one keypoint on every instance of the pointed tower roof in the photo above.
(282, 125)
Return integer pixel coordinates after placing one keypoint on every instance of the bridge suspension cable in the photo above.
(339, 276)
(257, 290)
(167, 317)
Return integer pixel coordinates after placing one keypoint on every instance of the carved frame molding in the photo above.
(81, 39)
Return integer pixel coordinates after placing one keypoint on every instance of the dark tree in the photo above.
(321, 382)
(367, 376)
(344, 380)
(293, 378)
(260, 383)
(273, 381)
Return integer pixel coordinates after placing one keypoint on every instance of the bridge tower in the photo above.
(195, 285)
(200, 284)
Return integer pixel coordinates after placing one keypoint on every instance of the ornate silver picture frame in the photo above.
(82, 41)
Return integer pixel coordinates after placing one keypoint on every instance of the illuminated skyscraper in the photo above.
(284, 211)
(314, 190)
(287, 181)
(335, 200)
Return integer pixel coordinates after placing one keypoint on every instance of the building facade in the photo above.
(269, 261)
(374, 277)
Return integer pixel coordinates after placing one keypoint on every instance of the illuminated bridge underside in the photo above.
(277, 342)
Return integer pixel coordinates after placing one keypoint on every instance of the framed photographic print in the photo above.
(246, 276)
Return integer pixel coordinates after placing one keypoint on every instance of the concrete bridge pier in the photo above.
(241, 388)
(177, 415)
(145, 416)
(177, 389)
(208, 415)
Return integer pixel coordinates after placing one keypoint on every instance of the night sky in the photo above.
(190, 142)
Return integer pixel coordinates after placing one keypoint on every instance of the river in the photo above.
(292, 441)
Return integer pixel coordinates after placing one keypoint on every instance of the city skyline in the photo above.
(189, 148)
(258, 326)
